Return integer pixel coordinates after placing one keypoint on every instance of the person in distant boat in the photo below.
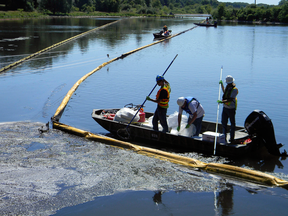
(195, 110)
(207, 20)
(229, 101)
(165, 30)
(162, 99)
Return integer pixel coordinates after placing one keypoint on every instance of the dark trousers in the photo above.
(198, 125)
(228, 114)
(160, 115)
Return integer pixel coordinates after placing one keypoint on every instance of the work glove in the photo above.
(148, 98)
(220, 82)
(178, 128)
(187, 126)
(219, 101)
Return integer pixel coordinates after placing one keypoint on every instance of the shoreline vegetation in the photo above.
(15, 15)
(220, 11)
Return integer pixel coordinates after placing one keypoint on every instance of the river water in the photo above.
(57, 173)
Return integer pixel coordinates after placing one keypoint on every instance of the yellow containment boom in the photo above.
(250, 175)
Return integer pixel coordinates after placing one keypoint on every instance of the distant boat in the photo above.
(161, 34)
(207, 24)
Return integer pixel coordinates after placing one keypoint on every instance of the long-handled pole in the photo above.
(151, 92)
(215, 141)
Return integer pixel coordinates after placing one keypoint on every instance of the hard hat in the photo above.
(229, 79)
(159, 78)
(181, 101)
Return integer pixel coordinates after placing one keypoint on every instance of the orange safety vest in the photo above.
(164, 102)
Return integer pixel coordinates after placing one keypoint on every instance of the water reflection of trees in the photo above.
(32, 35)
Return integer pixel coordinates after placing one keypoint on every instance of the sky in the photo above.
(270, 2)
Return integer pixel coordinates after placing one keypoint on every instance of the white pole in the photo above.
(215, 141)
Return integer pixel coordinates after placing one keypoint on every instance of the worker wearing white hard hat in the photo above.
(229, 101)
(195, 110)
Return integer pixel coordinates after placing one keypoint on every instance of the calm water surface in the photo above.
(255, 55)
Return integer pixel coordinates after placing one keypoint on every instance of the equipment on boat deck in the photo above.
(260, 125)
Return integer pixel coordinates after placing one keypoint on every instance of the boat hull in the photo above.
(148, 137)
(206, 24)
(160, 35)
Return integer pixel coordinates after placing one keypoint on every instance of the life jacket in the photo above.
(227, 95)
(164, 102)
(189, 100)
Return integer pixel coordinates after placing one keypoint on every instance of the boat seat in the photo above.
(238, 135)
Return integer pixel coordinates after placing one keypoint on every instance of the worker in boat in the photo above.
(207, 20)
(229, 101)
(195, 110)
(162, 99)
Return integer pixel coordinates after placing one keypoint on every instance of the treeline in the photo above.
(221, 11)
(135, 6)
(262, 13)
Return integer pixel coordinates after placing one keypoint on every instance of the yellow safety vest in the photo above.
(226, 96)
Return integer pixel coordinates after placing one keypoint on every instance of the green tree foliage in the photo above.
(56, 6)
(26, 5)
(148, 3)
(208, 8)
(237, 4)
(283, 14)
(107, 5)
(221, 11)
(156, 3)
(282, 2)
(253, 13)
(83, 4)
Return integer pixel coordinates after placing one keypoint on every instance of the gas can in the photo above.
(142, 116)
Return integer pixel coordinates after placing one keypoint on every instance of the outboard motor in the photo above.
(259, 124)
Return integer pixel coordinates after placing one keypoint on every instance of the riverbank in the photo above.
(16, 15)
(8, 15)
